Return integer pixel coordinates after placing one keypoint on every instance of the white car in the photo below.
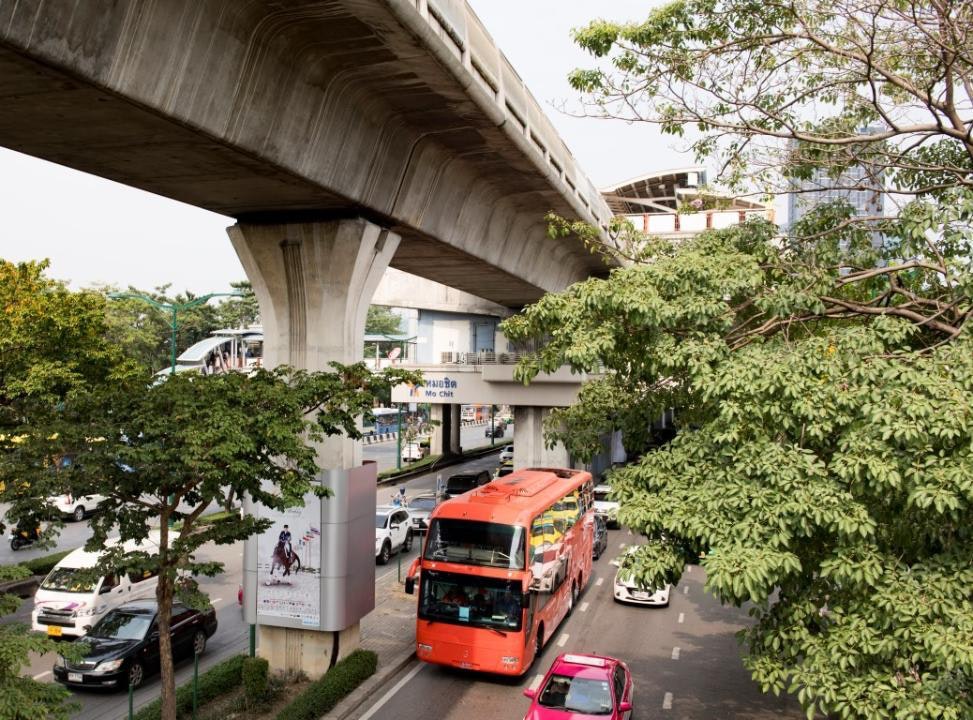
(413, 451)
(507, 454)
(608, 509)
(629, 591)
(76, 507)
(393, 532)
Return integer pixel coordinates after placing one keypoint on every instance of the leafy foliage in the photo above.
(326, 692)
(218, 680)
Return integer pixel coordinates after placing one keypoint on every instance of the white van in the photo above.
(65, 606)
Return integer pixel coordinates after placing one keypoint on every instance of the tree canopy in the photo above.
(822, 381)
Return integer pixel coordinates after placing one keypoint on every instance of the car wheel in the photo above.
(407, 545)
(136, 674)
(199, 642)
(78, 513)
(383, 557)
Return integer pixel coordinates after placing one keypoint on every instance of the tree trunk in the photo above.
(163, 594)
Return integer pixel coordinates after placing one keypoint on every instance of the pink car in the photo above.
(582, 686)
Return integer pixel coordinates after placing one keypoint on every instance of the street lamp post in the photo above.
(175, 309)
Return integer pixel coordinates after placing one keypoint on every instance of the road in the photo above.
(684, 659)
(471, 437)
(232, 637)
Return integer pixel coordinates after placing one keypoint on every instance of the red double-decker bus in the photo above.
(501, 568)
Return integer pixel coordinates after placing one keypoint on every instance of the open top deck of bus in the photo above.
(513, 499)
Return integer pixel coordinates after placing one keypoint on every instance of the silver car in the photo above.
(420, 507)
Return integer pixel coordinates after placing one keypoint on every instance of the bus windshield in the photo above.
(470, 600)
(476, 543)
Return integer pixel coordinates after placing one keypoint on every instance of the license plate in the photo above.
(641, 596)
(75, 677)
(53, 631)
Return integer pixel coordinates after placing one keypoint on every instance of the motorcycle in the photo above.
(23, 538)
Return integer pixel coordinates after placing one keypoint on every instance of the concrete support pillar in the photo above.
(455, 423)
(529, 447)
(314, 282)
(438, 431)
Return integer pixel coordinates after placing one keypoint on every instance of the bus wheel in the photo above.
(539, 642)
(574, 595)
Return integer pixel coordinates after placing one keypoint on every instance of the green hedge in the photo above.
(43, 565)
(339, 681)
(218, 680)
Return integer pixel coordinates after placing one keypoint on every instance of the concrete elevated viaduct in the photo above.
(345, 136)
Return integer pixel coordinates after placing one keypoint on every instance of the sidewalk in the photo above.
(390, 632)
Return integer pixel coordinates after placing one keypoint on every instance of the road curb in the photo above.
(443, 463)
(348, 706)
(21, 588)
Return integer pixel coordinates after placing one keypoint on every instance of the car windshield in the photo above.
(601, 494)
(64, 579)
(470, 600)
(575, 694)
(459, 484)
(381, 521)
(119, 625)
(423, 503)
(476, 543)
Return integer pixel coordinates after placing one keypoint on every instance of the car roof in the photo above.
(139, 607)
(387, 508)
(423, 496)
(584, 665)
(603, 487)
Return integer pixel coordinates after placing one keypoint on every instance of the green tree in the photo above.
(823, 385)
(52, 346)
(239, 312)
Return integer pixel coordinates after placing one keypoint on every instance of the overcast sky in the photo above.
(98, 232)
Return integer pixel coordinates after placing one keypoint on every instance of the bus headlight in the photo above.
(424, 648)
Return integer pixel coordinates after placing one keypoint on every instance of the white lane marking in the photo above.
(599, 581)
(685, 590)
(217, 600)
(682, 617)
(584, 607)
(44, 674)
(621, 546)
(630, 533)
(391, 693)
(675, 653)
(689, 568)
(667, 701)
(563, 640)
(535, 682)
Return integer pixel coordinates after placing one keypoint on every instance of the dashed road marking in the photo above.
(689, 568)
(584, 607)
(217, 600)
(667, 701)
(621, 546)
(395, 688)
(675, 653)
(599, 581)
(685, 590)
(563, 640)
(535, 682)
(44, 674)
(682, 618)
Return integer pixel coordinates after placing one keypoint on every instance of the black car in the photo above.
(601, 537)
(124, 645)
(464, 482)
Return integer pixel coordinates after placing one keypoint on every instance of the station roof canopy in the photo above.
(663, 192)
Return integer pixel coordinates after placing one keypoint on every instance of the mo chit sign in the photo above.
(315, 567)
(496, 384)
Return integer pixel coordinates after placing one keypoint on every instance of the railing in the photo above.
(479, 358)
(461, 31)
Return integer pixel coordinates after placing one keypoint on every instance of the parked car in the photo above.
(464, 482)
(601, 537)
(393, 532)
(608, 509)
(504, 470)
(66, 603)
(420, 507)
(628, 590)
(581, 686)
(123, 646)
(507, 454)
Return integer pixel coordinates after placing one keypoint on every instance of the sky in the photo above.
(97, 232)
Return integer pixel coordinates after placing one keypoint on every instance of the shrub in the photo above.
(322, 695)
(255, 679)
(218, 680)
(43, 565)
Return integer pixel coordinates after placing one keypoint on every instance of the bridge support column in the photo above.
(529, 447)
(314, 282)
(436, 438)
(455, 424)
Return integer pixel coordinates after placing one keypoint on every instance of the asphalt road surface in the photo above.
(232, 636)
(684, 659)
